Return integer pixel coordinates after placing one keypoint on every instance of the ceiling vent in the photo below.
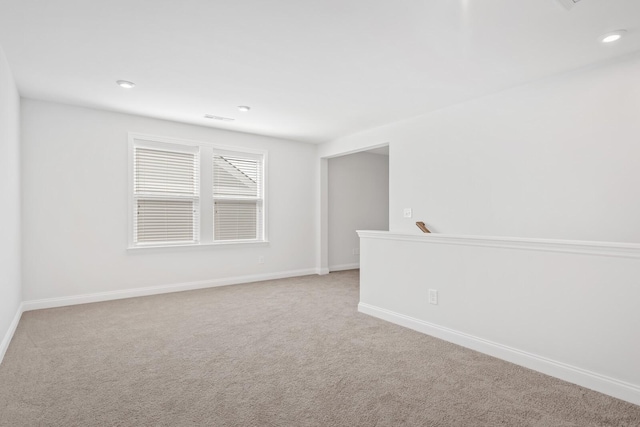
(568, 4)
(224, 119)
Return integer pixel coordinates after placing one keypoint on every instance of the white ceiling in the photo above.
(312, 70)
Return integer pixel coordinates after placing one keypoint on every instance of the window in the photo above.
(166, 195)
(170, 206)
(237, 196)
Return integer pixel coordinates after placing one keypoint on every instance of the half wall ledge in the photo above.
(617, 249)
(568, 309)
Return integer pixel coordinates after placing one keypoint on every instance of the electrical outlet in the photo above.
(408, 213)
(260, 259)
(356, 251)
(433, 296)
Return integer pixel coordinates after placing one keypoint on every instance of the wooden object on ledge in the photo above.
(422, 227)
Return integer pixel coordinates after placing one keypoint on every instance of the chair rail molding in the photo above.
(614, 249)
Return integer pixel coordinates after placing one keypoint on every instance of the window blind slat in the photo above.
(165, 220)
(236, 176)
(237, 192)
(166, 196)
(165, 172)
(235, 220)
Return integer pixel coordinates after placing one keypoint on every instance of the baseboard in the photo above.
(155, 290)
(322, 271)
(6, 340)
(573, 374)
(342, 267)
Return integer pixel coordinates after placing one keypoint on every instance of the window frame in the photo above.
(205, 203)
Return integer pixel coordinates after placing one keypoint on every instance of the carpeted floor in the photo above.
(291, 352)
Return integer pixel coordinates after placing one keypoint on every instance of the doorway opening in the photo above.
(357, 199)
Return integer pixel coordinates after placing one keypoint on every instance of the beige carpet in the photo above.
(291, 352)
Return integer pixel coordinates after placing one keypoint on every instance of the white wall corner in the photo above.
(322, 220)
(342, 267)
(6, 340)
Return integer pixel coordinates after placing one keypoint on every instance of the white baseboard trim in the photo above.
(155, 290)
(342, 267)
(6, 340)
(573, 374)
(322, 271)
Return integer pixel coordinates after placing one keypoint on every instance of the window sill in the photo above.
(184, 246)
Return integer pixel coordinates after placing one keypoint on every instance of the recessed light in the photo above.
(125, 84)
(612, 36)
(244, 108)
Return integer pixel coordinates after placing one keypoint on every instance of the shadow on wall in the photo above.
(358, 199)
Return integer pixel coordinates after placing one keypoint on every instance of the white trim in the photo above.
(322, 271)
(358, 150)
(573, 374)
(6, 340)
(342, 267)
(220, 243)
(156, 290)
(612, 249)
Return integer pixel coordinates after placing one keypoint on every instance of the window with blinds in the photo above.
(169, 206)
(237, 196)
(166, 195)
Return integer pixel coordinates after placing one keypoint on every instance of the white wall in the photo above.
(75, 207)
(554, 159)
(358, 200)
(10, 286)
(565, 309)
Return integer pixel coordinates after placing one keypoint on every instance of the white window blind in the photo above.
(170, 207)
(166, 195)
(238, 197)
